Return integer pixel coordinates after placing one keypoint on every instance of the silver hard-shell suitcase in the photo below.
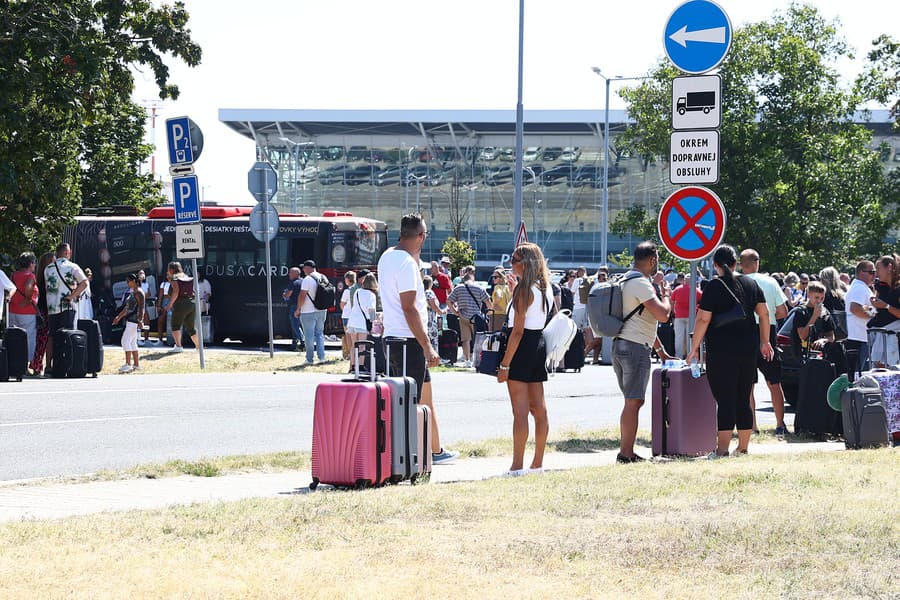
(407, 460)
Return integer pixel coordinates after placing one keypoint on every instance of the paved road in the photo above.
(51, 427)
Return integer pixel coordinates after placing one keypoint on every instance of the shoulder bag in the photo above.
(365, 316)
(479, 320)
(63, 281)
(733, 315)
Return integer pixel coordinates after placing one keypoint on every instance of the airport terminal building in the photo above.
(456, 168)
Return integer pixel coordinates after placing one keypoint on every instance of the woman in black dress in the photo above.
(733, 342)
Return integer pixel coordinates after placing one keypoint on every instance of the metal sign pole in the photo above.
(268, 276)
(692, 315)
(198, 322)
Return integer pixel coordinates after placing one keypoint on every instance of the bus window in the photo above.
(302, 248)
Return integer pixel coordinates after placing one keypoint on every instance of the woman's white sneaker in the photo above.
(125, 369)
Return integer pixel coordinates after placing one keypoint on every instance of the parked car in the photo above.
(531, 154)
(591, 175)
(552, 153)
(507, 154)
(499, 175)
(360, 175)
(487, 153)
(429, 175)
(334, 174)
(563, 171)
(389, 176)
(570, 154)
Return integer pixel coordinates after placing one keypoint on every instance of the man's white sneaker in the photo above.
(176, 349)
(136, 368)
(125, 369)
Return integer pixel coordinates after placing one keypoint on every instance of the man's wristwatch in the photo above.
(504, 368)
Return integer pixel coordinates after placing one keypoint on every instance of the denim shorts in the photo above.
(631, 363)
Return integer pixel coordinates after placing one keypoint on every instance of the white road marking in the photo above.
(100, 420)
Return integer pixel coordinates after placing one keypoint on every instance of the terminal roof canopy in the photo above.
(443, 127)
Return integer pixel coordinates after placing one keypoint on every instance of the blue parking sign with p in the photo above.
(178, 132)
(185, 192)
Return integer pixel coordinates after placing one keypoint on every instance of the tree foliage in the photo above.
(797, 178)
(69, 132)
(882, 78)
(459, 252)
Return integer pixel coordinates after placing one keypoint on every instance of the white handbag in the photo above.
(558, 335)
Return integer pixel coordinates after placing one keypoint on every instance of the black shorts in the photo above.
(415, 363)
(528, 363)
(61, 320)
(771, 369)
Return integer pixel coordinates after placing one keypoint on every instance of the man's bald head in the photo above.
(749, 261)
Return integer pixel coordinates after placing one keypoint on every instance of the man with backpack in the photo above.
(643, 308)
(316, 294)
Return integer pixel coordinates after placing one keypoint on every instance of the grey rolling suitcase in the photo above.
(407, 461)
(865, 420)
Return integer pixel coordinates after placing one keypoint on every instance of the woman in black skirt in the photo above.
(522, 367)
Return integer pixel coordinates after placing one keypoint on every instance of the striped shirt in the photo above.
(467, 304)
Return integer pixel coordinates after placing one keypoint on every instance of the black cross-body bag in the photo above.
(734, 315)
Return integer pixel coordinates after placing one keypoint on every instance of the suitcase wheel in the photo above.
(362, 484)
(19, 378)
(313, 484)
(95, 375)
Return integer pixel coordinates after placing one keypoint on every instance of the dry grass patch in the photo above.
(161, 362)
(817, 524)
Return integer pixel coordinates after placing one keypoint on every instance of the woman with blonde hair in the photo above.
(522, 366)
(363, 312)
(501, 297)
(835, 289)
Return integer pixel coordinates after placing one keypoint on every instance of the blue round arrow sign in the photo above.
(697, 36)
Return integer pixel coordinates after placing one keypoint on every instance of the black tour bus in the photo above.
(114, 245)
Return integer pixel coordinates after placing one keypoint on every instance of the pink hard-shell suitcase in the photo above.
(351, 441)
(683, 414)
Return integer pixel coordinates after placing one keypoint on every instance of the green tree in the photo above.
(797, 178)
(459, 252)
(69, 132)
(882, 78)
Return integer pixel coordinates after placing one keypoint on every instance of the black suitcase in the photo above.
(69, 353)
(448, 345)
(15, 340)
(574, 357)
(4, 369)
(864, 418)
(93, 360)
(814, 415)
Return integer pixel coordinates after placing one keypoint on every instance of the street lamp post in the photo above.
(604, 218)
(534, 202)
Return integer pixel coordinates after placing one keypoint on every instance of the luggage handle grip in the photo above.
(391, 341)
(363, 344)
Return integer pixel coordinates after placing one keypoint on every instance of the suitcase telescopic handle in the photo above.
(394, 341)
(371, 347)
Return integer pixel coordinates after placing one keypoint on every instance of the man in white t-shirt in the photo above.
(65, 282)
(312, 320)
(631, 348)
(857, 303)
(776, 302)
(405, 315)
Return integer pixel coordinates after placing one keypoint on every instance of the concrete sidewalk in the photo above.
(36, 500)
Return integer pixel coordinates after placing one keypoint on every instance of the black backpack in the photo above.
(325, 294)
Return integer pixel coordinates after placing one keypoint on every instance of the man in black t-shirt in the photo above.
(812, 321)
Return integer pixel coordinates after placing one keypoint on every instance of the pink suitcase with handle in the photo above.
(351, 441)
(683, 414)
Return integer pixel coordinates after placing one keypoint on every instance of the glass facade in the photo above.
(461, 179)
(469, 192)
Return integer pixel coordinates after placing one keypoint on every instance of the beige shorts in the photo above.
(466, 330)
